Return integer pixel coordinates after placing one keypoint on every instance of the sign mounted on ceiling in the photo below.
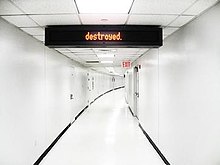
(98, 36)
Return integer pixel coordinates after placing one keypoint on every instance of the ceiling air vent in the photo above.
(92, 62)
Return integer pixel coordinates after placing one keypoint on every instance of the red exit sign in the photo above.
(126, 64)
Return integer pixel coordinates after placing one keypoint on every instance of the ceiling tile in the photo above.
(88, 55)
(72, 56)
(106, 59)
(160, 6)
(105, 50)
(34, 31)
(41, 38)
(89, 58)
(7, 8)
(81, 50)
(103, 18)
(125, 55)
(83, 54)
(104, 6)
(200, 6)
(69, 54)
(181, 20)
(66, 19)
(169, 30)
(20, 21)
(127, 50)
(46, 6)
(121, 57)
(62, 50)
(142, 50)
(134, 56)
(162, 20)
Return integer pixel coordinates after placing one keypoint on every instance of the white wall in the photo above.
(180, 93)
(148, 92)
(35, 87)
(129, 88)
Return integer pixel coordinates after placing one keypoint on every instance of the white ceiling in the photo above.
(32, 16)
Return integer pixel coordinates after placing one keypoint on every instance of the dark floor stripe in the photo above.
(131, 111)
(154, 145)
(80, 113)
(51, 146)
(106, 93)
(61, 134)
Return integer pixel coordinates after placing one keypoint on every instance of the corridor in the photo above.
(105, 134)
(61, 60)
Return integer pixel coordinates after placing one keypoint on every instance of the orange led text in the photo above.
(99, 36)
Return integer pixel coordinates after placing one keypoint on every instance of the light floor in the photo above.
(105, 134)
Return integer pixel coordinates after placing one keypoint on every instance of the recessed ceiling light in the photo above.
(113, 50)
(106, 62)
(104, 6)
(105, 55)
(104, 20)
(92, 62)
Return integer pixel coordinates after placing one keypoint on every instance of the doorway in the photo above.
(136, 91)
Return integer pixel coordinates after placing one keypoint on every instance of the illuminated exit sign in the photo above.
(98, 36)
(126, 64)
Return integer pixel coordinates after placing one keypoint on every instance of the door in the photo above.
(89, 87)
(72, 94)
(113, 83)
(136, 91)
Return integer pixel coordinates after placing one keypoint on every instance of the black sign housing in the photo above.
(99, 36)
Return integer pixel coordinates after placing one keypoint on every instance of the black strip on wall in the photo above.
(154, 145)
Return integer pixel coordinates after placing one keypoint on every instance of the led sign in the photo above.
(98, 36)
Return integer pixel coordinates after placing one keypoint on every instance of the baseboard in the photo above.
(132, 113)
(154, 146)
(80, 113)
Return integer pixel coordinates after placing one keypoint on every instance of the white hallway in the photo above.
(105, 134)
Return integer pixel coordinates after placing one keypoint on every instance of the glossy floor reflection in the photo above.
(105, 134)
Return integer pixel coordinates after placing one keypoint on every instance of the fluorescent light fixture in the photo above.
(104, 6)
(105, 55)
(106, 62)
